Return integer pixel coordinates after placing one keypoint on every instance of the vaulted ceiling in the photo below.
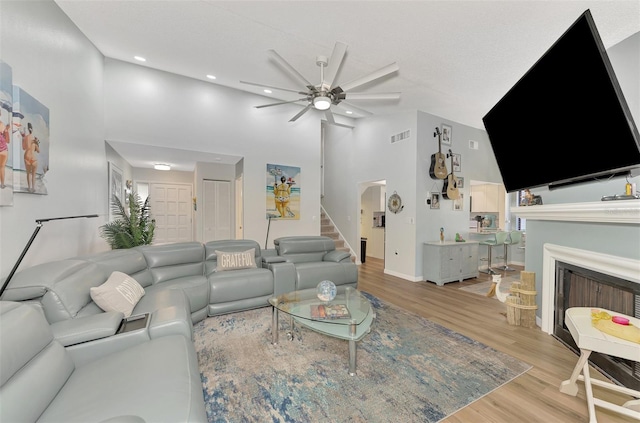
(456, 58)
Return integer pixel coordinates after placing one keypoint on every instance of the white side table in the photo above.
(588, 339)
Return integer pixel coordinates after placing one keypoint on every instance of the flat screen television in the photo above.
(566, 120)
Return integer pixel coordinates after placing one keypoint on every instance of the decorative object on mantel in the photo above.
(529, 199)
(395, 203)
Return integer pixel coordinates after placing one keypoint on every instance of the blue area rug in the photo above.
(409, 369)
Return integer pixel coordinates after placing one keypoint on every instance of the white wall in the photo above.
(56, 64)
(91, 99)
(366, 154)
(146, 106)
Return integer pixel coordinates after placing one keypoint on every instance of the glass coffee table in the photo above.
(302, 307)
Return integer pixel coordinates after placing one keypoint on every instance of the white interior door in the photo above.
(217, 210)
(171, 208)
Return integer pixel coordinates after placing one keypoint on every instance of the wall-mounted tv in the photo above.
(566, 120)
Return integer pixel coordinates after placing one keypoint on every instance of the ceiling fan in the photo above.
(325, 94)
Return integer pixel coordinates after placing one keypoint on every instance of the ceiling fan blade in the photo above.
(348, 106)
(372, 96)
(371, 77)
(273, 88)
(280, 102)
(337, 56)
(302, 112)
(289, 68)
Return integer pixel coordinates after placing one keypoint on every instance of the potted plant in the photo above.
(133, 225)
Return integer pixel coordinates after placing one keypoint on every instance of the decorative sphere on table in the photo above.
(326, 291)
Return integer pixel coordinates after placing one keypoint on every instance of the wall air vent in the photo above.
(401, 136)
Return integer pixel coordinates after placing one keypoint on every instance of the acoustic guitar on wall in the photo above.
(438, 168)
(450, 187)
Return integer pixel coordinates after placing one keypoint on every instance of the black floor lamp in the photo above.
(39, 223)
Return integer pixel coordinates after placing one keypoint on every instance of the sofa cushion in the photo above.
(309, 275)
(119, 293)
(236, 260)
(228, 246)
(33, 366)
(240, 284)
(158, 381)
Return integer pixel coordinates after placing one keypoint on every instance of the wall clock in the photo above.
(395, 203)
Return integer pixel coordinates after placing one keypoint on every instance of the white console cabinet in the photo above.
(449, 261)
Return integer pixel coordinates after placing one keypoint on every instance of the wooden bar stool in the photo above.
(588, 339)
(514, 238)
(498, 239)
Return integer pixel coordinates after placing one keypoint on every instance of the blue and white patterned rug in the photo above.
(409, 369)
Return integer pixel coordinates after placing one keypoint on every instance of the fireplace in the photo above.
(579, 287)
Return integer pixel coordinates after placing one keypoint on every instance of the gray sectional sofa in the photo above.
(182, 284)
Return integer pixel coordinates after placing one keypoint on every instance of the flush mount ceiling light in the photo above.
(322, 102)
(161, 166)
(211, 77)
(140, 58)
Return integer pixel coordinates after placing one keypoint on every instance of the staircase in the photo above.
(328, 229)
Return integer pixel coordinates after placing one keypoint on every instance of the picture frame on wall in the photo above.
(460, 183)
(446, 134)
(435, 200)
(116, 186)
(458, 203)
(457, 162)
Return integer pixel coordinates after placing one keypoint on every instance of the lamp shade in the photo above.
(322, 102)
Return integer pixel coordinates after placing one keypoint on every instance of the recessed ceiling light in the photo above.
(211, 77)
(161, 166)
(349, 112)
(140, 58)
(268, 91)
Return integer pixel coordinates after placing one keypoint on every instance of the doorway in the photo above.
(372, 226)
(170, 207)
(216, 210)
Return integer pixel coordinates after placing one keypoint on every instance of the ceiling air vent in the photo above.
(401, 136)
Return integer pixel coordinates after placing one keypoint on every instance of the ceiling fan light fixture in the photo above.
(322, 102)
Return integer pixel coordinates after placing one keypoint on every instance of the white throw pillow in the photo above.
(236, 260)
(119, 293)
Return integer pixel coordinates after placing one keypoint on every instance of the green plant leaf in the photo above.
(132, 226)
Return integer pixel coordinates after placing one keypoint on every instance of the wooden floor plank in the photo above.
(532, 397)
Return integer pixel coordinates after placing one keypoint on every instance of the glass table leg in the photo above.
(274, 326)
(352, 348)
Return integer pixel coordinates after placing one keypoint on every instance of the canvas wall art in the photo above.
(6, 154)
(30, 143)
(283, 192)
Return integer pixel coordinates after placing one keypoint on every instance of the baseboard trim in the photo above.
(403, 276)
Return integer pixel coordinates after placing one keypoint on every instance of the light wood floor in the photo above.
(532, 397)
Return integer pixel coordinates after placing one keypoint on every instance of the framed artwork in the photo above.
(457, 162)
(460, 182)
(435, 200)
(446, 134)
(283, 192)
(458, 203)
(6, 131)
(115, 186)
(30, 126)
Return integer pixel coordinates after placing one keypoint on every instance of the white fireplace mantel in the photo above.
(617, 211)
